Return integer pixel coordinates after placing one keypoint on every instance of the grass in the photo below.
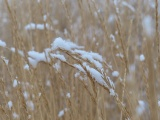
(57, 90)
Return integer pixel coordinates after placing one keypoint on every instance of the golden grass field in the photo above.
(37, 84)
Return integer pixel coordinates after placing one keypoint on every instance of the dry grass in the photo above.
(120, 33)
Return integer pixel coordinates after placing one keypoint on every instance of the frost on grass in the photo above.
(2, 43)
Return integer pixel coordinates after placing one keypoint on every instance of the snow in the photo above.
(58, 56)
(141, 108)
(26, 67)
(25, 94)
(61, 112)
(110, 82)
(159, 103)
(48, 83)
(141, 57)
(2, 43)
(10, 104)
(57, 66)
(111, 18)
(124, 3)
(5, 60)
(15, 115)
(30, 105)
(96, 75)
(90, 57)
(32, 62)
(79, 67)
(39, 94)
(148, 25)
(116, 2)
(68, 95)
(115, 73)
(33, 26)
(44, 17)
(112, 38)
(35, 57)
(15, 83)
(119, 55)
(112, 92)
(65, 45)
(20, 52)
(96, 56)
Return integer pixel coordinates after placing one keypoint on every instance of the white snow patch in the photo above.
(26, 67)
(115, 73)
(10, 104)
(58, 56)
(96, 75)
(25, 94)
(68, 95)
(5, 60)
(112, 92)
(20, 52)
(30, 105)
(141, 108)
(159, 103)
(48, 83)
(61, 112)
(111, 18)
(15, 83)
(119, 55)
(15, 115)
(65, 45)
(2, 43)
(141, 57)
(79, 67)
(44, 17)
(35, 57)
(147, 24)
(33, 26)
(57, 65)
(91, 57)
(112, 38)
